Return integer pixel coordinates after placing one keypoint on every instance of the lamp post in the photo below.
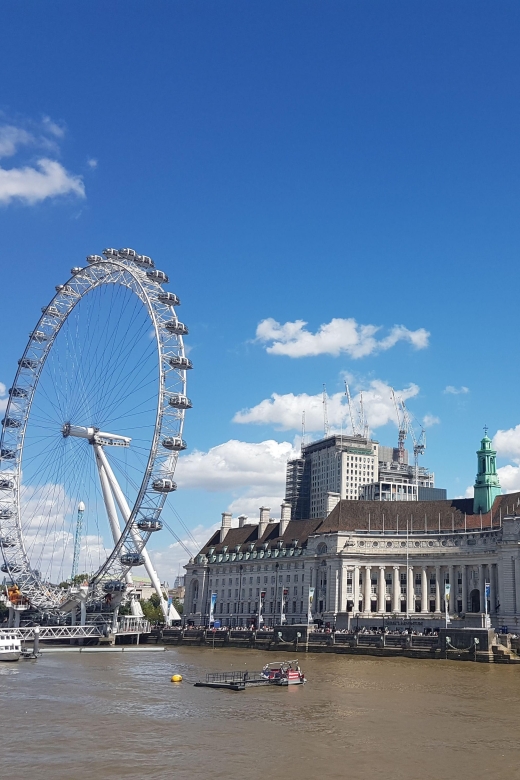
(277, 566)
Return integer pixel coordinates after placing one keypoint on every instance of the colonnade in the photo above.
(371, 592)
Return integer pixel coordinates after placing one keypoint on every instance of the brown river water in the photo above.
(70, 716)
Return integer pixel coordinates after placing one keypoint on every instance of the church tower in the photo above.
(487, 486)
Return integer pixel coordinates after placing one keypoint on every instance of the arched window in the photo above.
(322, 548)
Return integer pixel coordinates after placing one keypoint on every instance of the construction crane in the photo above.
(405, 427)
(359, 427)
(77, 539)
(419, 444)
(326, 426)
(402, 426)
(302, 445)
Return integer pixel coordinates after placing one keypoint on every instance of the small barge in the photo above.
(279, 673)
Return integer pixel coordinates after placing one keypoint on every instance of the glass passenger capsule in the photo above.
(180, 362)
(179, 328)
(28, 363)
(110, 252)
(114, 586)
(11, 422)
(169, 298)
(164, 485)
(149, 524)
(76, 270)
(94, 259)
(128, 254)
(174, 443)
(144, 260)
(132, 559)
(157, 276)
(39, 336)
(14, 568)
(18, 392)
(179, 401)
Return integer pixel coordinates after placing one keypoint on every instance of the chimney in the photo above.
(242, 521)
(264, 520)
(226, 525)
(285, 517)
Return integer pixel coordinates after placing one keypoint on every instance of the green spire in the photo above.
(487, 486)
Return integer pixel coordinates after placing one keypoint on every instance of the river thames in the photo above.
(70, 716)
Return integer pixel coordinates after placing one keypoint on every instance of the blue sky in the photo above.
(315, 162)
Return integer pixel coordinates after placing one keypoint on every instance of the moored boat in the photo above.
(10, 646)
(283, 673)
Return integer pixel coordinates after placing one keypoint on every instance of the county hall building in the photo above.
(365, 559)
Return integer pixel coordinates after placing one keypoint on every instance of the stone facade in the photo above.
(366, 558)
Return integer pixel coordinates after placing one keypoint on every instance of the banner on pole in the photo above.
(261, 608)
(212, 607)
(311, 600)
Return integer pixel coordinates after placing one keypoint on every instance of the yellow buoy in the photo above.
(177, 678)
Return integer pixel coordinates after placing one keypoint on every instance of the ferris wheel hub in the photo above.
(95, 436)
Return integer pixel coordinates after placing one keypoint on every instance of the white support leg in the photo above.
(109, 502)
(125, 511)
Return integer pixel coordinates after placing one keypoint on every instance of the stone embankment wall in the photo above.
(497, 650)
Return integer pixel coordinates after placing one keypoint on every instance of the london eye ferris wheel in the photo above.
(94, 418)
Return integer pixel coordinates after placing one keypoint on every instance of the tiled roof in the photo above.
(454, 514)
(297, 530)
(418, 515)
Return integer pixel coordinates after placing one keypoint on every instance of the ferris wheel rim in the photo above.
(171, 361)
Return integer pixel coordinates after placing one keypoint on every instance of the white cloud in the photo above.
(11, 138)
(169, 562)
(509, 477)
(507, 443)
(34, 181)
(285, 411)
(429, 420)
(254, 473)
(451, 390)
(52, 127)
(334, 338)
(235, 465)
(31, 185)
(92, 163)
(3, 397)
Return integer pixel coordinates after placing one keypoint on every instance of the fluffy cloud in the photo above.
(169, 561)
(35, 181)
(429, 420)
(451, 390)
(285, 411)
(507, 443)
(253, 473)
(3, 397)
(234, 465)
(334, 338)
(32, 184)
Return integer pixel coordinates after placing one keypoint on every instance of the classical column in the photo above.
(517, 585)
(492, 589)
(382, 587)
(356, 588)
(464, 570)
(453, 590)
(368, 585)
(342, 599)
(410, 590)
(481, 587)
(424, 590)
(437, 589)
(396, 588)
